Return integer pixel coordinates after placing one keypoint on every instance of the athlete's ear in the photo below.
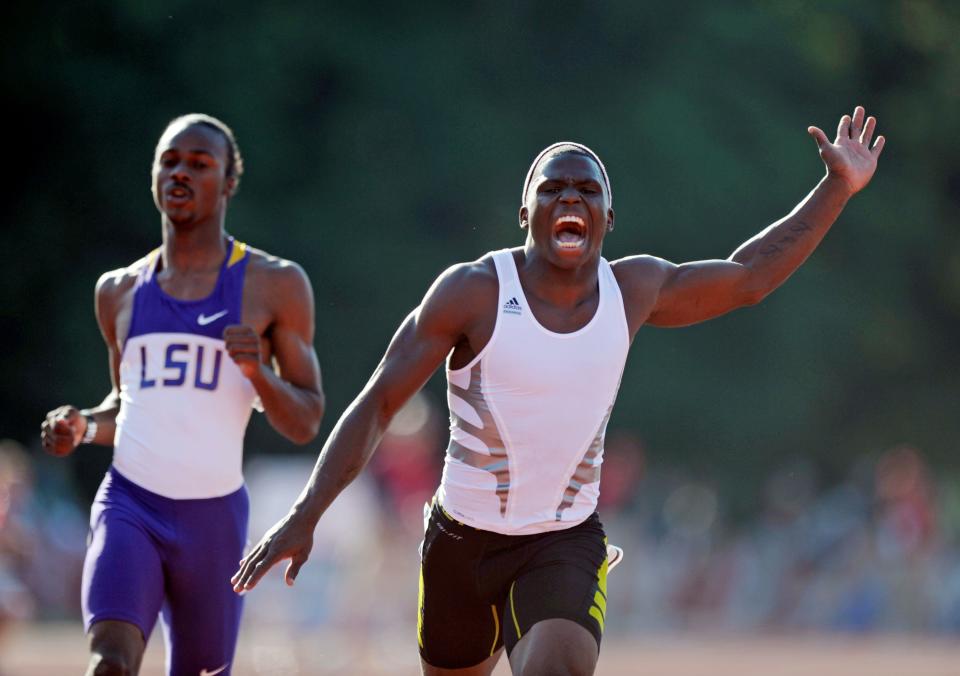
(524, 222)
(609, 220)
(153, 185)
(230, 185)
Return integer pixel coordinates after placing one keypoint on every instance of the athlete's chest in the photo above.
(551, 339)
(563, 320)
(526, 359)
(193, 299)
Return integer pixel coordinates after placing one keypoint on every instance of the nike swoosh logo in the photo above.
(204, 672)
(203, 320)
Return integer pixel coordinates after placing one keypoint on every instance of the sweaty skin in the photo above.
(559, 275)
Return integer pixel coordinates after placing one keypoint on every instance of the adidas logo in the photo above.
(512, 307)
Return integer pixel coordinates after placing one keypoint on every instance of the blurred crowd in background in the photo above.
(878, 551)
(792, 467)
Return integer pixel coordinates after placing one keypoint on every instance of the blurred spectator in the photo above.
(875, 552)
(624, 462)
(17, 545)
(408, 462)
(41, 543)
(906, 519)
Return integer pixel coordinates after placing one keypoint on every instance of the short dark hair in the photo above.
(562, 148)
(234, 159)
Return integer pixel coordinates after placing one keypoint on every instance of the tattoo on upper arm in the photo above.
(771, 250)
(796, 231)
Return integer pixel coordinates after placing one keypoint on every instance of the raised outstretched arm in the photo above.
(664, 294)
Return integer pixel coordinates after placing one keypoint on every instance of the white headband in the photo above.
(561, 147)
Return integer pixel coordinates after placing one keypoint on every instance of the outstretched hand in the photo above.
(850, 156)
(291, 538)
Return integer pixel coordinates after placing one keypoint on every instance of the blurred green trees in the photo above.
(383, 145)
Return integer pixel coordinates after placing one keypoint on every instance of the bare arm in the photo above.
(420, 345)
(679, 295)
(290, 389)
(65, 426)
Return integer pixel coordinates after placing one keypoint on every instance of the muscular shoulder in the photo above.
(479, 276)
(461, 296)
(641, 274)
(113, 285)
(277, 293)
(466, 283)
(641, 279)
(278, 273)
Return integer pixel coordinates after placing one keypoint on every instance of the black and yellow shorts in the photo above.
(481, 590)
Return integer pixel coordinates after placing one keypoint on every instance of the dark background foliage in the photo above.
(384, 143)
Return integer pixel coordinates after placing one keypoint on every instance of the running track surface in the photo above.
(53, 650)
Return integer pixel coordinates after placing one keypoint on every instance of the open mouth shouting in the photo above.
(570, 232)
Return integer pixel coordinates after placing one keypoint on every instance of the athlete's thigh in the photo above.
(456, 627)
(565, 579)
(202, 613)
(122, 573)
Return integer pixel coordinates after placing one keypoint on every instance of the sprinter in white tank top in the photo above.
(525, 452)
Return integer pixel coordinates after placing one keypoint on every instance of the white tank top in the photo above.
(184, 403)
(528, 414)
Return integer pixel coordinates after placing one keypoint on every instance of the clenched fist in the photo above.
(62, 430)
(243, 345)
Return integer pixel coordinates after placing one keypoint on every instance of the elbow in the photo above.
(309, 426)
(752, 285)
(753, 296)
(754, 290)
(387, 409)
(303, 435)
(379, 406)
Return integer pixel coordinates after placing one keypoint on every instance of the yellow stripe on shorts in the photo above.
(513, 611)
(420, 610)
(598, 610)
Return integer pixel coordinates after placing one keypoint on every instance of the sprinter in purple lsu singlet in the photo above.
(189, 329)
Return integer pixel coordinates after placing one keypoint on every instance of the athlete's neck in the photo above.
(193, 249)
(558, 286)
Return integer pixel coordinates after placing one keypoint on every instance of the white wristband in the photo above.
(91, 432)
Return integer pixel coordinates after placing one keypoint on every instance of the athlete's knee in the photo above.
(116, 649)
(555, 647)
(556, 665)
(111, 664)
